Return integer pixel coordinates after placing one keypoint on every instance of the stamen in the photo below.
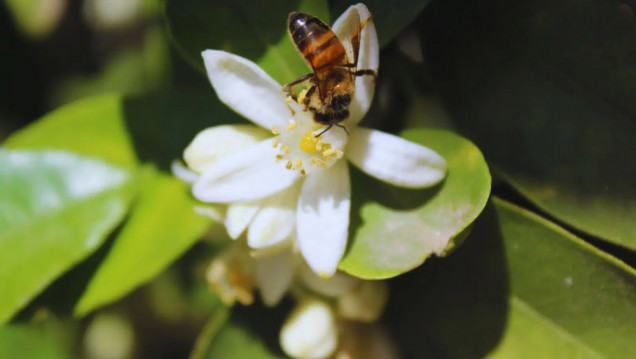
(279, 158)
(288, 99)
(329, 153)
(286, 149)
(339, 154)
(308, 143)
(288, 165)
(299, 163)
(319, 162)
(275, 130)
(275, 143)
(302, 172)
(291, 125)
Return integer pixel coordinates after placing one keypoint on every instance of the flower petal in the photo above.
(217, 142)
(323, 218)
(368, 58)
(275, 221)
(274, 274)
(182, 172)
(365, 303)
(239, 216)
(310, 331)
(395, 160)
(246, 88)
(244, 176)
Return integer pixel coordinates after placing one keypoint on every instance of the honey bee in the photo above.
(332, 82)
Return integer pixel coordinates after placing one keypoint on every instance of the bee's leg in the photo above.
(368, 72)
(288, 88)
(307, 97)
(343, 127)
(327, 129)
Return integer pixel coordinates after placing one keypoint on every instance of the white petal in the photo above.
(310, 331)
(323, 218)
(395, 160)
(369, 58)
(246, 88)
(239, 216)
(275, 221)
(183, 173)
(337, 285)
(274, 274)
(210, 212)
(244, 176)
(217, 142)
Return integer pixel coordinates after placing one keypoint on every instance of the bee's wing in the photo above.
(349, 34)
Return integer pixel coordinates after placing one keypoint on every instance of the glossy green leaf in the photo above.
(407, 226)
(92, 127)
(162, 226)
(546, 89)
(520, 287)
(390, 17)
(256, 30)
(56, 209)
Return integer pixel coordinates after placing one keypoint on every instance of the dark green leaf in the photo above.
(520, 287)
(390, 17)
(256, 30)
(161, 227)
(56, 209)
(407, 226)
(546, 90)
(41, 341)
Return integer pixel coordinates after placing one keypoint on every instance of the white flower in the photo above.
(310, 331)
(294, 187)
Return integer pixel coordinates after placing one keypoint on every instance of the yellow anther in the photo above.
(302, 95)
(326, 146)
(279, 158)
(328, 153)
(308, 143)
(286, 149)
(288, 99)
(319, 146)
(275, 143)
(288, 165)
(291, 125)
(339, 154)
(302, 172)
(299, 163)
(275, 130)
(319, 162)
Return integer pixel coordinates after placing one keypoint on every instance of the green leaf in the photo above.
(162, 226)
(42, 341)
(56, 209)
(407, 226)
(92, 127)
(546, 90)
(390, 17)
(253, 29)
(520, 287)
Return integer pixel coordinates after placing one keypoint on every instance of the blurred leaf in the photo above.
(56, 209)
(41, 341)
(407, 226)
(520, 287)
(212, 328)
(546, 90)
(390, 17)
(237, 342)
(91, 127)
(129, 131)
(162, 226)
(37, 18)
(131, 71)
(253, 29)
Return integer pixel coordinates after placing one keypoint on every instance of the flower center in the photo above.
(298, 148)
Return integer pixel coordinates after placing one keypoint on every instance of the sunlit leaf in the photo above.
(253, 29)
(519, 287)
(37, 341)
(407, 226)
(546, 89)
(56, 209)
(161, 227)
